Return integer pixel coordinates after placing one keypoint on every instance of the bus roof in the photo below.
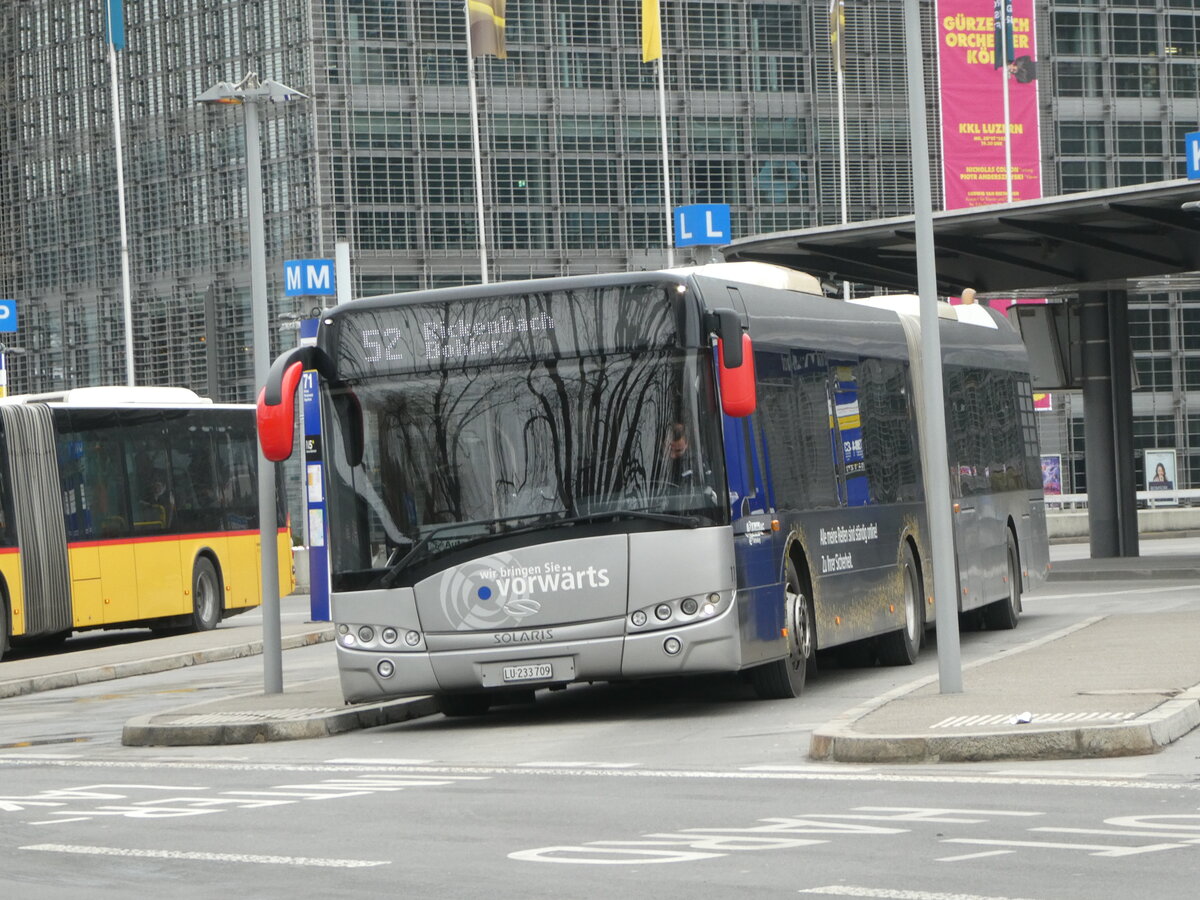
(910, 304)
(117, 395)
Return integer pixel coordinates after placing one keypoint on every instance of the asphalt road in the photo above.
(669, 789)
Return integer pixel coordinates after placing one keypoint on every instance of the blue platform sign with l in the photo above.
(8, 315)
(704, 223)
(1191, 143)
(308, 277)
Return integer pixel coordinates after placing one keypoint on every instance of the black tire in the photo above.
(206, 596)
(1002, 615)
(459, 705)
(4, 625)
(901, 648)
(784, 679)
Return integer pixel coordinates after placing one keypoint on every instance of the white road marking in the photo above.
(1091, 849)
(829, 767)
(210, 857)
(364, 761)
(847, 890)
(578, 765)
(967, 856)
(461, 771)
(1156, 590)
(39, 756)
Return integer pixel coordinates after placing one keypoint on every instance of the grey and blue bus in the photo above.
(637, 475)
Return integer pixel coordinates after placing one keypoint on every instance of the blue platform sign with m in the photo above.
(1191, 146)
(308, 277)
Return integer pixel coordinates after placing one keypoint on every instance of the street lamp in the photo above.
(249, 93)
(5, 350)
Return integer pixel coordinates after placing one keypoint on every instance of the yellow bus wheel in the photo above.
(206, 596)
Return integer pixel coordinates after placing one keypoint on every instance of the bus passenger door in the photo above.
(759, 589)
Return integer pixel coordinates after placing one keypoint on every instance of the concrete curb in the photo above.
(183, 729)
(55, 680)
(1128, 573)
(837, 741)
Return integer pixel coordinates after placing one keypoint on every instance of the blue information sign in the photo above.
(1191, 143)
(8, 315)
(705, 223)
(308, 277)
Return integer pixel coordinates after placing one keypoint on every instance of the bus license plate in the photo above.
(528, 672)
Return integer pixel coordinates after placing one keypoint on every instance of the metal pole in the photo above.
(1005, 18)
(937, 488)
(126, 297)
(662, 118)
(267, 528)
(476, 154)
(845, 198)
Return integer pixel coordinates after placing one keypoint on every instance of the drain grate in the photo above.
(1035, 719)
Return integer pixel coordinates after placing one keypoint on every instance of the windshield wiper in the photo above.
(669, 518)
(543, 520)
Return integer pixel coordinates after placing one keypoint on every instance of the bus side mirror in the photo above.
(735, 363)
(276, 408)
(738, 395)
(727, 325)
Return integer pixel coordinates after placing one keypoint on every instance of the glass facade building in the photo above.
(380, 157)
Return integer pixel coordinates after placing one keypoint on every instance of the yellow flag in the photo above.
(837, 33)
(651, 31)
(487, 28)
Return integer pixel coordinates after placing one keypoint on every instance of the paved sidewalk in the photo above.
(1117, 685)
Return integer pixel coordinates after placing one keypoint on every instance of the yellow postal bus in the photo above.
(125, 507)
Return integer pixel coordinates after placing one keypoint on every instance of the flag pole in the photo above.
(666, 160)
(652, 52)
(837, 36)
(114, 14)
(1004, 39)
(476, 155)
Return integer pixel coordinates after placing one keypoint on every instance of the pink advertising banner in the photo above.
(972, 103)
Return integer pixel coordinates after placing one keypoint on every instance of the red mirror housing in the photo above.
(277, 421)
(738, 395)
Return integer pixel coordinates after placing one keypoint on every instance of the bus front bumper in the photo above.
(709, 646)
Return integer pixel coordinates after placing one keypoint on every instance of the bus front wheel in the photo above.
(206, 596)
(785, 678)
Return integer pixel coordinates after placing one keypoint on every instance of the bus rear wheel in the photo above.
(206, 596)
(784, 679)
(1002, 615)
(901, 648)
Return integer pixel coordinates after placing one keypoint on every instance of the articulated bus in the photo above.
(610, 477)
(128, 506)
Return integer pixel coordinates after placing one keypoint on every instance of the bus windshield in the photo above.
(459, 457)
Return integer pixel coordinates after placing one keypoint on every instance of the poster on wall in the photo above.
(972, 72)
(1161, 477)
(1051, 474)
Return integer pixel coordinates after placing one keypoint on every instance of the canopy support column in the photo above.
(1108, 424)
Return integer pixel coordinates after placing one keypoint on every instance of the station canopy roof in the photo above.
(1130, 238)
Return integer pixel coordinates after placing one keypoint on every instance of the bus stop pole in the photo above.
(937, 465)
(272, 644)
